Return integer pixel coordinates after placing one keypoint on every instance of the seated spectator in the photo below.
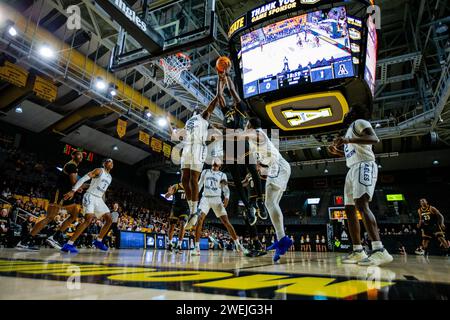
(27, 225)
(6, 231)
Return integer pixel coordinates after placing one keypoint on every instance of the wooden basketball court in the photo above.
(215, 275)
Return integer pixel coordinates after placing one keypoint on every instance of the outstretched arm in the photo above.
(212, 105)
(232, 89)
(217, 99)
(85, 178)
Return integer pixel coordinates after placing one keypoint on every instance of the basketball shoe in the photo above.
(283, 246)
(354, 257)
(377, 258)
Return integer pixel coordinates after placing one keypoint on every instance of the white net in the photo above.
(173, 67)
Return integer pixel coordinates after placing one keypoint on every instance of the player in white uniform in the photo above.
(360, 186)
(214, 182)
(93, 205)
(278, 171)
(194, 153)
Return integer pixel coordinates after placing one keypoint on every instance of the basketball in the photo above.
(222, 64)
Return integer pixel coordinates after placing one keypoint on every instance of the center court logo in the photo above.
(262, 285)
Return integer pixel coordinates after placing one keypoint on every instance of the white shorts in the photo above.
(193, 157)
(360, 179)
(278, 174)
(94, 205)
(214, 203)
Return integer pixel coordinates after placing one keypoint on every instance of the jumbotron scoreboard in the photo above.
(301, 64)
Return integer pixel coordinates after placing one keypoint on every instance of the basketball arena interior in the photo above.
(102, 197)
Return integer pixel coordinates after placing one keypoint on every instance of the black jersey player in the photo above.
(431, 222)
(239, 163)
(178, 214)
(66, 180)
(256, 248)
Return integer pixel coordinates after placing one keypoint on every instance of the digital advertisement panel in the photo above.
(371, 55)
(307, 48)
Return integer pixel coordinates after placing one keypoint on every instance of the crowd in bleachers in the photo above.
(26, 187)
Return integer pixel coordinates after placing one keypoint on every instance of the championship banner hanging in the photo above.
(14, 74)
(167, 150)
(144, 137)
(121, 127)
(156, 145)
(45, 89)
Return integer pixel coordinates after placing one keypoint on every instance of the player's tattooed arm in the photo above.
(73, 178)
(212, 105)
(94, 173)
(220, 87)
(232, 89)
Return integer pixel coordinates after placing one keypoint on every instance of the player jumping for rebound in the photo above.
(93, 205)
(66, 179)
(194, 154)
(431, 221)
(360, 186)
(179, 214)
(278, 171)
(214, 182)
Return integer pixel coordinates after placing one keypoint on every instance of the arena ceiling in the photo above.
(413, 78)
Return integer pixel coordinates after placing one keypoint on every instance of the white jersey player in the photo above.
(93, 204)
(278, 171)
(214, 182)
(194, 153)
(360, 186)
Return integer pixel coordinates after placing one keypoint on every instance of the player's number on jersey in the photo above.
(103, 185)
(183, 196)
(212, 184)
(426, 217)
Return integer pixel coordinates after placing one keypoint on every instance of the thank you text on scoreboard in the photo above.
(271, 8)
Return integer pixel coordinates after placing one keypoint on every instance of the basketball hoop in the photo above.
(173, 67)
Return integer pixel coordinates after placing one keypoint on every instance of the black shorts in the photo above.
(430, 231)
(241, 155)
(179, 213)
(58, 198)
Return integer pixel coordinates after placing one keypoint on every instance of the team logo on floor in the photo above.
(264, 285)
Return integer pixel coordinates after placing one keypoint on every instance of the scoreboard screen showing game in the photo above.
(308, 48)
